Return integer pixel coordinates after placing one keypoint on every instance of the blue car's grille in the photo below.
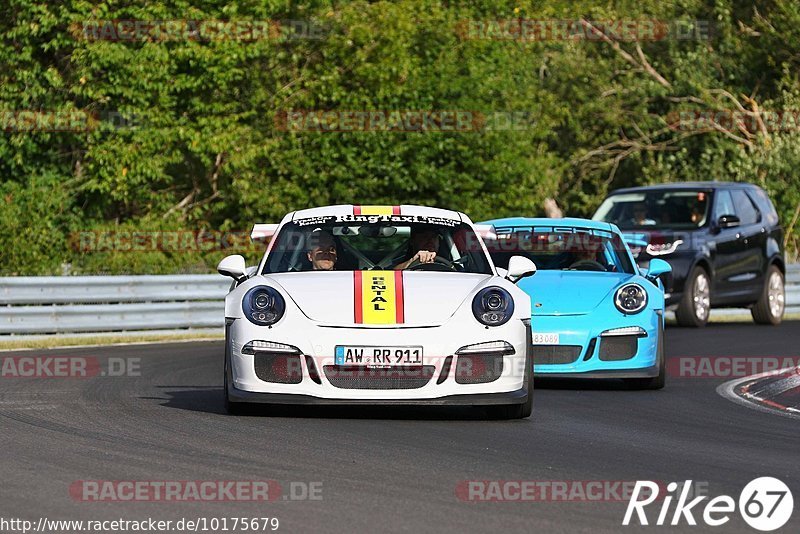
(556, 354)
(613, 349)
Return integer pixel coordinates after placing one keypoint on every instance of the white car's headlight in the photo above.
(493, 306)
(630, 298)
(263, 305)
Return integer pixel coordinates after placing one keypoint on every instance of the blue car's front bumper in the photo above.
(581, 334)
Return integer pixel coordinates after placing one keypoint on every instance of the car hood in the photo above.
(390, 298)
(569, 292)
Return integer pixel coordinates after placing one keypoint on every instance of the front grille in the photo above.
(360, 377)
(616, 348)
(478, 368)
(555, 354)
(278, 368)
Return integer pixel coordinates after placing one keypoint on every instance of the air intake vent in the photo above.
(618, 348)
(278, 368)
(478, 368)
(359, 377)
(556, 354)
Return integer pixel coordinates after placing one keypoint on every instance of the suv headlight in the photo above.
(664, 249)
(263, 305)
(630, 298)
(493, 306)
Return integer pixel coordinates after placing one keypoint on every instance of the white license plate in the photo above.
(545, 339)
(374, 356)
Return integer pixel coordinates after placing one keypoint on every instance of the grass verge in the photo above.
(51, 342)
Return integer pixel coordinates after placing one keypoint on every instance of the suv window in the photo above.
(747, 212)
(765, 205)
(724, 204)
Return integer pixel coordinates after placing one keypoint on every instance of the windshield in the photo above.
(382, 243)
(562, 249)
(666, 208)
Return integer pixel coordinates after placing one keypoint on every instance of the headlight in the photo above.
(664, 249)
(263, 306)
(631, 298)
(493, 306)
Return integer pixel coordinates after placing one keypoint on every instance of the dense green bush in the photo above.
(186, 135)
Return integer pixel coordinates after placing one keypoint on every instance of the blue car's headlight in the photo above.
(493, 306)
(630, 298)
(263, 305)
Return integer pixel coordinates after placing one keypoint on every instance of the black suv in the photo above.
(723, 240)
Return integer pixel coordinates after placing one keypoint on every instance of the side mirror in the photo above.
(519, 267)
(657, 269)
(728, 221)
(233, 266)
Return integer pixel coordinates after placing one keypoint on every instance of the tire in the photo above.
(515, 411)
(231, 407)
(771, 303)
(656, 382)
(695, 305)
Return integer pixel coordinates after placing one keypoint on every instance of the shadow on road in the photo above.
(209, 400)
(582, 384)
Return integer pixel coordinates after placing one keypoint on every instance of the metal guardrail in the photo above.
(76, 304)
(73, 304)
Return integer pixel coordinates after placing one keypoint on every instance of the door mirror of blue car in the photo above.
(233, 266)
(519, 267)
(658, 269)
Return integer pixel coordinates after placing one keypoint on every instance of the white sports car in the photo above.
(376, 305)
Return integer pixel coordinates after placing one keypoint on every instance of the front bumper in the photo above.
(317, 344)
(582, 332)
(519, 396)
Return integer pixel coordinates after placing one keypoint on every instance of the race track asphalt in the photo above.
(387, 470)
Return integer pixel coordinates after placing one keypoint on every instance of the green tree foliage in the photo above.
(184, 133)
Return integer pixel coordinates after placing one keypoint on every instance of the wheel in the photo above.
(695, 304)
(515, 411)
(231, 407)
(656, 382)
(438, 264)
(772, 303)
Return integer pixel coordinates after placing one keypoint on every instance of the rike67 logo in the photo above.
(765, 504)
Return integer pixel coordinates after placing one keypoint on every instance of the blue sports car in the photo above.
(594, 312)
